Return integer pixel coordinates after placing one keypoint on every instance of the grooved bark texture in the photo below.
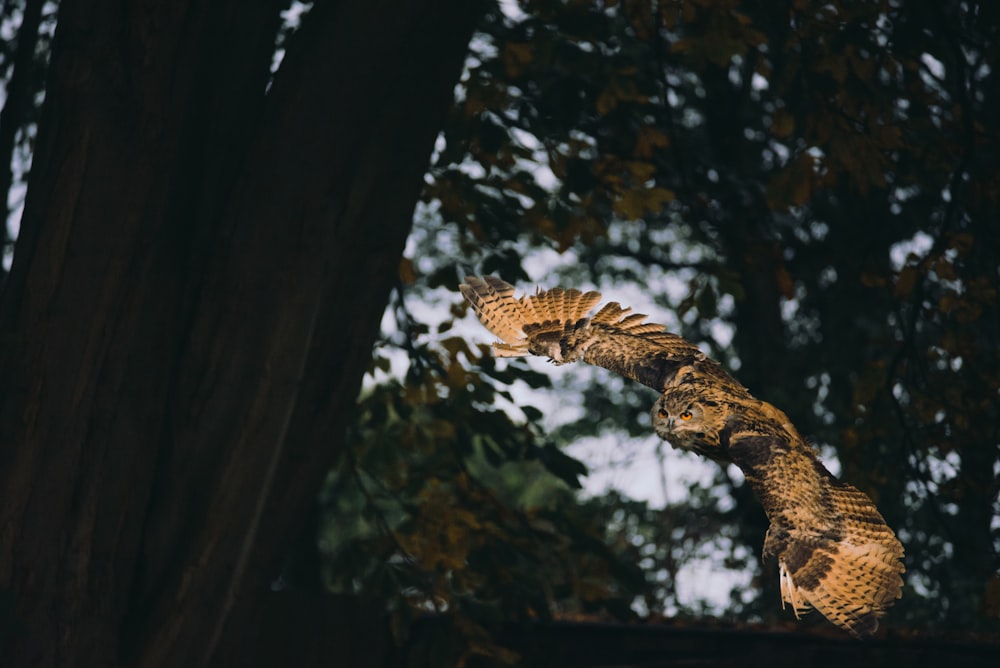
(201, 272)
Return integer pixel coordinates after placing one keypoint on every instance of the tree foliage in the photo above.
(823, 180)
(808, 190)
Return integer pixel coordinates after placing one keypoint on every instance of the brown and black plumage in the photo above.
(834, 550)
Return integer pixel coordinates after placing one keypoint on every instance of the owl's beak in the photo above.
(670, 424)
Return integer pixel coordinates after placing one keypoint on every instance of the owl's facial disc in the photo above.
(680, 421)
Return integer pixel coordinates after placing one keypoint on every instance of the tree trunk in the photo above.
(200, 275)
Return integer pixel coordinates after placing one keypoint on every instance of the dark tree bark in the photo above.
(200, 275)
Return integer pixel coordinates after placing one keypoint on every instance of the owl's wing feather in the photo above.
(557, 324)
(835, 552)
(530, 325)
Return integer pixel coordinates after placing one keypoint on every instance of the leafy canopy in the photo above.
(820, 179)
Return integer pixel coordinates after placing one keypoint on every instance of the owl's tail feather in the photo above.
(851, 581)
(537, 324)
(853, 595)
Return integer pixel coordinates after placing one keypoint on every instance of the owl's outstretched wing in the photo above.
(558, 324)
(835, 552)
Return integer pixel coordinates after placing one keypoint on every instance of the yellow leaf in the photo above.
(782, 124)
(889, 137)
(515, 56)
(407, 272)
(636, 203)
(457, 376)
(905, 282)
(961, 241)
(835, 65)
(872, 280)
(785, 283)
(991, 597)
(944, 269)
(659, 198)
(649, 139)
(456, 345)
(640, 171)
(606, 101)
(793, 185)
(982, 289)
(947, 301)
(629, 205)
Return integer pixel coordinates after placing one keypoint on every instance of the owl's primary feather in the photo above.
(557, 324)
(835, 552)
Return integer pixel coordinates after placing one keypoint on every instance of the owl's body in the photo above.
(834, 550)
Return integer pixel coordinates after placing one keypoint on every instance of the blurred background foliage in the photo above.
(807, 190)
(821, 180)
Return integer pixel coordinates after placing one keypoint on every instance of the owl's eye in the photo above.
(662, 414)
(686, 415)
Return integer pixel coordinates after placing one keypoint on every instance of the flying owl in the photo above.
(834, 550)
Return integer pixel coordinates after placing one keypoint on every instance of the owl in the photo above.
(835, 553)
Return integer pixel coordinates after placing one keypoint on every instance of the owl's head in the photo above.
(690, 422)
